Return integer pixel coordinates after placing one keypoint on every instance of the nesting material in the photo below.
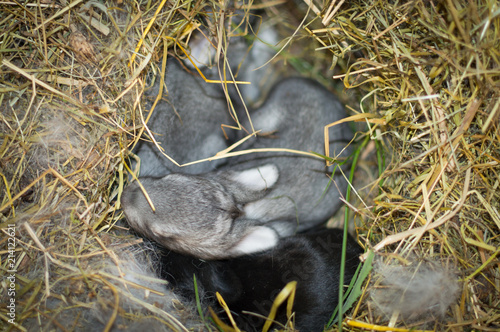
(422, 77)
(416, 292)
(132, 297)
(429, 75)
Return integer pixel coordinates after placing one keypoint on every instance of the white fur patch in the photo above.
(258, 178)
(256, 210)
(259, 239)
(202, 52)
(267, 121)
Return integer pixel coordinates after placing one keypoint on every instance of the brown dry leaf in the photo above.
(84, 50)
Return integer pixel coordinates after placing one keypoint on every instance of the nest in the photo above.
(421, 79)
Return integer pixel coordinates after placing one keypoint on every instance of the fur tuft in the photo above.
(414, 292)
(143, 298)
(143, 292)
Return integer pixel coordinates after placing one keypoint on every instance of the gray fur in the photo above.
(201, 215)
(144, 299)
(250, 63)
(246, 207)
(247, 57)
(188, 125)
(417, 291)
(295, 114)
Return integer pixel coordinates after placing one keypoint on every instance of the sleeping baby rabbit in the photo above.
(246, 206)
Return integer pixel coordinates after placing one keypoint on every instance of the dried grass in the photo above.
(430, 72)
(71, 80)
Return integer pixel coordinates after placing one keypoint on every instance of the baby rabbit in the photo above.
(293, 117)
(188, 125)
(250, 283)
(251, 203)
(202, 215)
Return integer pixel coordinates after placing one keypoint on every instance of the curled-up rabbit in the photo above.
(202, 214)
(188, 125)
(251, 283)
(293, 117)
(258, 198)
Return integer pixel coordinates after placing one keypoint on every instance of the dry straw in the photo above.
(430, 75)
(71, 80)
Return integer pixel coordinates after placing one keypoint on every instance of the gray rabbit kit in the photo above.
(202, 215)
(246, 206)
(293, 117)
(188, 125)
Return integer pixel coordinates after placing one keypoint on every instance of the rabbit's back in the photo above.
(294, 117)
(250, 283)
(187, 122)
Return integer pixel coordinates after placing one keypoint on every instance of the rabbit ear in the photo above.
(258, 239)
(250, 184)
